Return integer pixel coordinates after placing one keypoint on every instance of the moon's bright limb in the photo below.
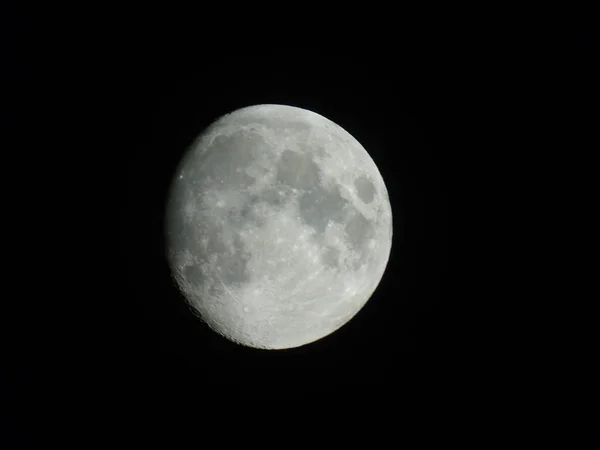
(279, 226)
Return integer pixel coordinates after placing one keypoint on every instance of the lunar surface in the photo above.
(278, 226)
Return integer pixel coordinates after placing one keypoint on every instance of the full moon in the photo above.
(278, 226)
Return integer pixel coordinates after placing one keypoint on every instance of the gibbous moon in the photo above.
(278, 226)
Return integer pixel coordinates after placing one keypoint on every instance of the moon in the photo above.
(278, 226)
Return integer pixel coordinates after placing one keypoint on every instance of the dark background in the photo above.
(406, 313)
(484, 141)
(367, 349)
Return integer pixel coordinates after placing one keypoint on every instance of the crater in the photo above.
(364, 189)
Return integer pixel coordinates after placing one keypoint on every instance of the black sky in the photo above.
(404, 314)
(464, 130)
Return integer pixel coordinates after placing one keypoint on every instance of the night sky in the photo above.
(405, 312)
(461, 129)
